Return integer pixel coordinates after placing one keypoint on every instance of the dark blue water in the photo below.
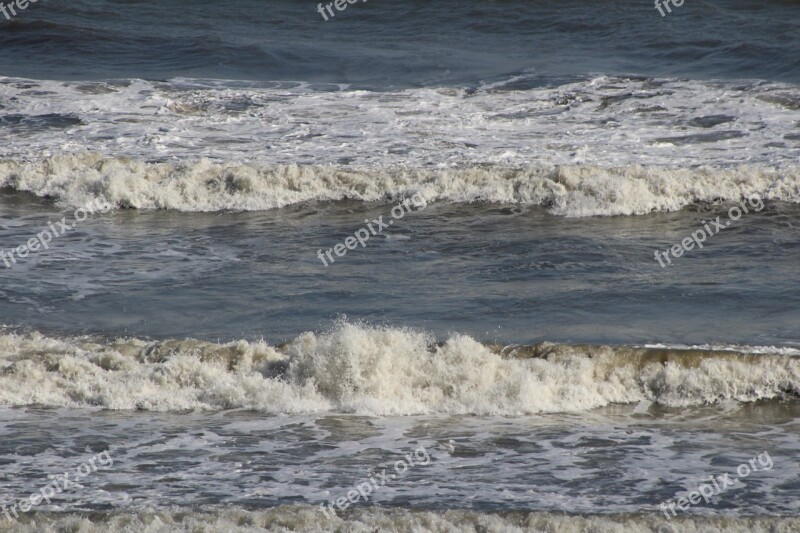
(382, 44)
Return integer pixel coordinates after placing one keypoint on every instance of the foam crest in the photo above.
(307, 518)
(603, 121)
(572, 190)
(137, 375)
(377, 371)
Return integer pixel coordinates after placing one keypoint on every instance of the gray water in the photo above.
(499, 274)
(612, 460)
(409, 44)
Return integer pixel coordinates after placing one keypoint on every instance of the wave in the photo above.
(378, 371)
(570, 190)
(307, 518)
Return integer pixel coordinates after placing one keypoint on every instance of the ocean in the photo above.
(444, 266)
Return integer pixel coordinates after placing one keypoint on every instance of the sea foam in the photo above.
(573, 191)
(377, 371)
(308, 518)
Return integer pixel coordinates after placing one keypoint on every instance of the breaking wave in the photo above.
(307, 518)
(572, 191)
(379, 371)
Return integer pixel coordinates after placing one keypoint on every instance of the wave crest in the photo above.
(572, 191)
(308, 518)
(378, 371)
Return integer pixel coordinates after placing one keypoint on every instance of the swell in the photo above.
(566, 190)
(379, 371)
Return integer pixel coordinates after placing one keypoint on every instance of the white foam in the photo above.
(782, 350)
(307, 518)
(575, 191)
(605, 146)
(374, 371)
(604, 121)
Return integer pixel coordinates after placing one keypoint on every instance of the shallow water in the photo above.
(614, 460)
